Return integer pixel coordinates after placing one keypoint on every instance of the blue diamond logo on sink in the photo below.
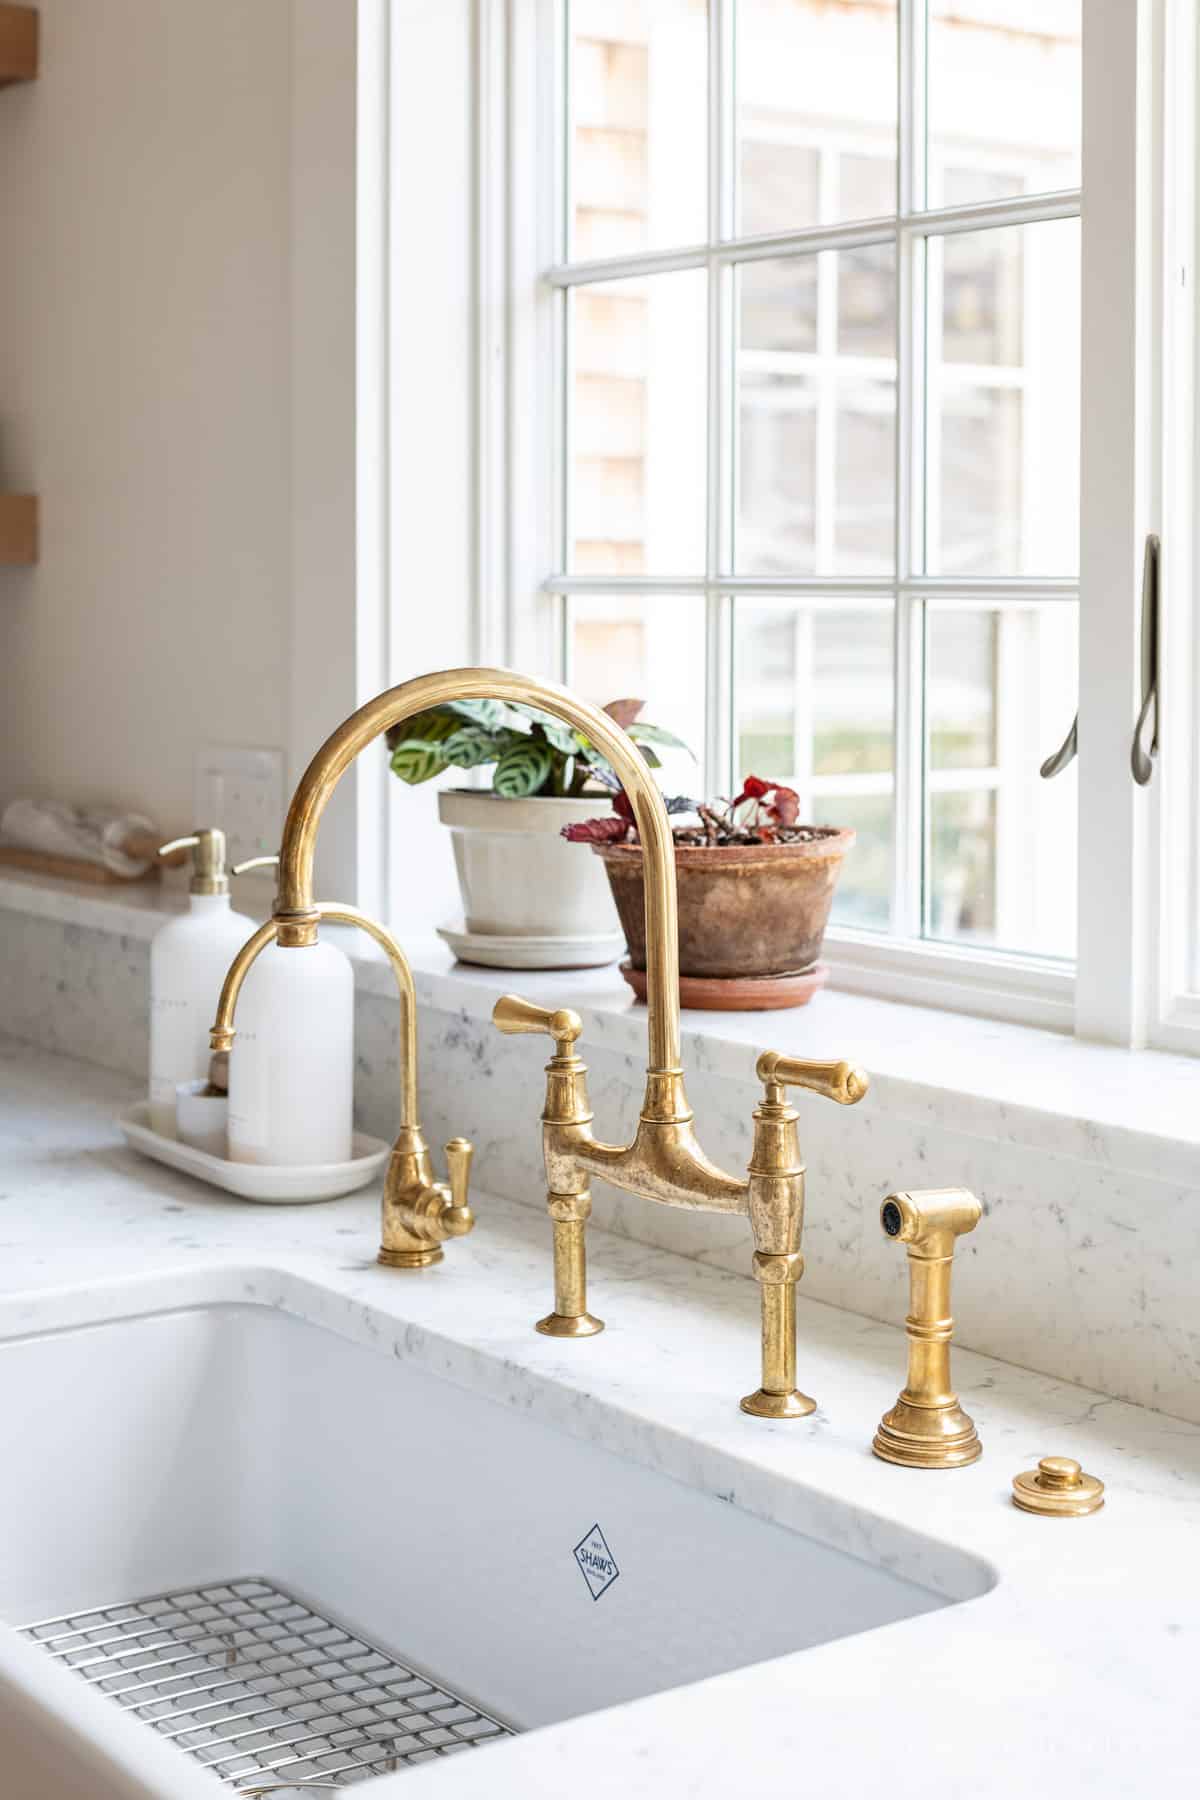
(597, 1564)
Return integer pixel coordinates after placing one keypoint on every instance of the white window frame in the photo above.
(1127, 987)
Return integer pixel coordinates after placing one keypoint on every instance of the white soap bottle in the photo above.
(291, 1065)
(188, 959)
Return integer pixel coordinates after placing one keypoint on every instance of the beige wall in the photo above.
(171, 313)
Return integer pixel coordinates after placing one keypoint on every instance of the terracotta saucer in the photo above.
(738, 993)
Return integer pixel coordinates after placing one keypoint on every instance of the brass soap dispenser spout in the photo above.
(419, 1213)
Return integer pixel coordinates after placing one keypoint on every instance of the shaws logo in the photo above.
(596, 1562)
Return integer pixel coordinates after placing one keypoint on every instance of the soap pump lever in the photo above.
(208, 845)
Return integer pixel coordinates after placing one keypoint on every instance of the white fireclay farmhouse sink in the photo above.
(241, 1523)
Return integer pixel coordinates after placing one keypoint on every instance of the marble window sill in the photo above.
(1127, 1110)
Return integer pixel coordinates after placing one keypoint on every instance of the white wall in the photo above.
(177, 382)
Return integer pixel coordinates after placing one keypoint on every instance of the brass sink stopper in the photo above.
(927, 1428)
(1058, 1489)
(419, 1213)
(665, 1161)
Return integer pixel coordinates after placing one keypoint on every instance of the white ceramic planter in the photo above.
(520, 879)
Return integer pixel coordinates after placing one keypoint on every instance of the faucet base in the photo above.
(778, 1406)
(410, 1259)
(570, 1325)
(927, 1437)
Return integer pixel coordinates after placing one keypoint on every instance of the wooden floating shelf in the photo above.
(18, 530)
(18, 43)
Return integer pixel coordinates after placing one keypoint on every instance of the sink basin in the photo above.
(540, 1577)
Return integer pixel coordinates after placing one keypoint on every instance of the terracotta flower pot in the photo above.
(754, 910)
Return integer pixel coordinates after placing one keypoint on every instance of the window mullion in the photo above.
(718, 726)
(908, 642)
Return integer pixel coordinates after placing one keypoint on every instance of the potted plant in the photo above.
(754, 885)
(528, 900)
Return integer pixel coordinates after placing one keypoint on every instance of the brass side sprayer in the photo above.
(927, 1428)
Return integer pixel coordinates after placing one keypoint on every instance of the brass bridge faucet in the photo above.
(665, 1161)
(419, 1213)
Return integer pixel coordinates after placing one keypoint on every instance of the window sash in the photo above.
(1118, 114)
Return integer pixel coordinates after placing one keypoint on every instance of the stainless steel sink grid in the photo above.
(261, 1689)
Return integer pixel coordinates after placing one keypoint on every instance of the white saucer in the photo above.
(257, 1181)
(586, 952)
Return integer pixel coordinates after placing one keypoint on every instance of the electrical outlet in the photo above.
(241, 792)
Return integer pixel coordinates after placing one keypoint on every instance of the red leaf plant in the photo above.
(764, 812)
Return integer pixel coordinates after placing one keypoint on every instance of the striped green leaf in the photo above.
(523, 769)
(489, 713)
(472, 746)
(556, 733)
(416, 760)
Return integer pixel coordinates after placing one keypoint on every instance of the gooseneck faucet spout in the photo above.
(295, 914)
(664, 1162)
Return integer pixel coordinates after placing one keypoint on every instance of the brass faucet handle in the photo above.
(256, 862)
(457, 1218)
(513, 1015)
(840, 1081)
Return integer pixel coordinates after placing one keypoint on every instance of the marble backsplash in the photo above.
(1081, 1269)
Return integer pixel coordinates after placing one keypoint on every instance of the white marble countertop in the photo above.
(1076, 1673)
(1022, 1083)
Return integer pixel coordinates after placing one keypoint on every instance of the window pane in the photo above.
(816, 401)
(813, 707)
(1004, 98)
(816, 88)
(1001, 684)
(639, 119)
(636, 501)
(623, 647)
(1003, 439)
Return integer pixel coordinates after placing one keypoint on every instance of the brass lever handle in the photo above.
(513, 1015)
(927, 1428)
(457, 1217)
(840, 1081)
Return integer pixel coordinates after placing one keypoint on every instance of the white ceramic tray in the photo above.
(257, 1181)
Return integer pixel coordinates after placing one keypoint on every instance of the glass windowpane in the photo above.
(651, 648)
(637, 430)
(816, 406)
(1000, 690)
(816, 84)
(638, 79)
(1004, 98)
(813, 700)
(1003, 436)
